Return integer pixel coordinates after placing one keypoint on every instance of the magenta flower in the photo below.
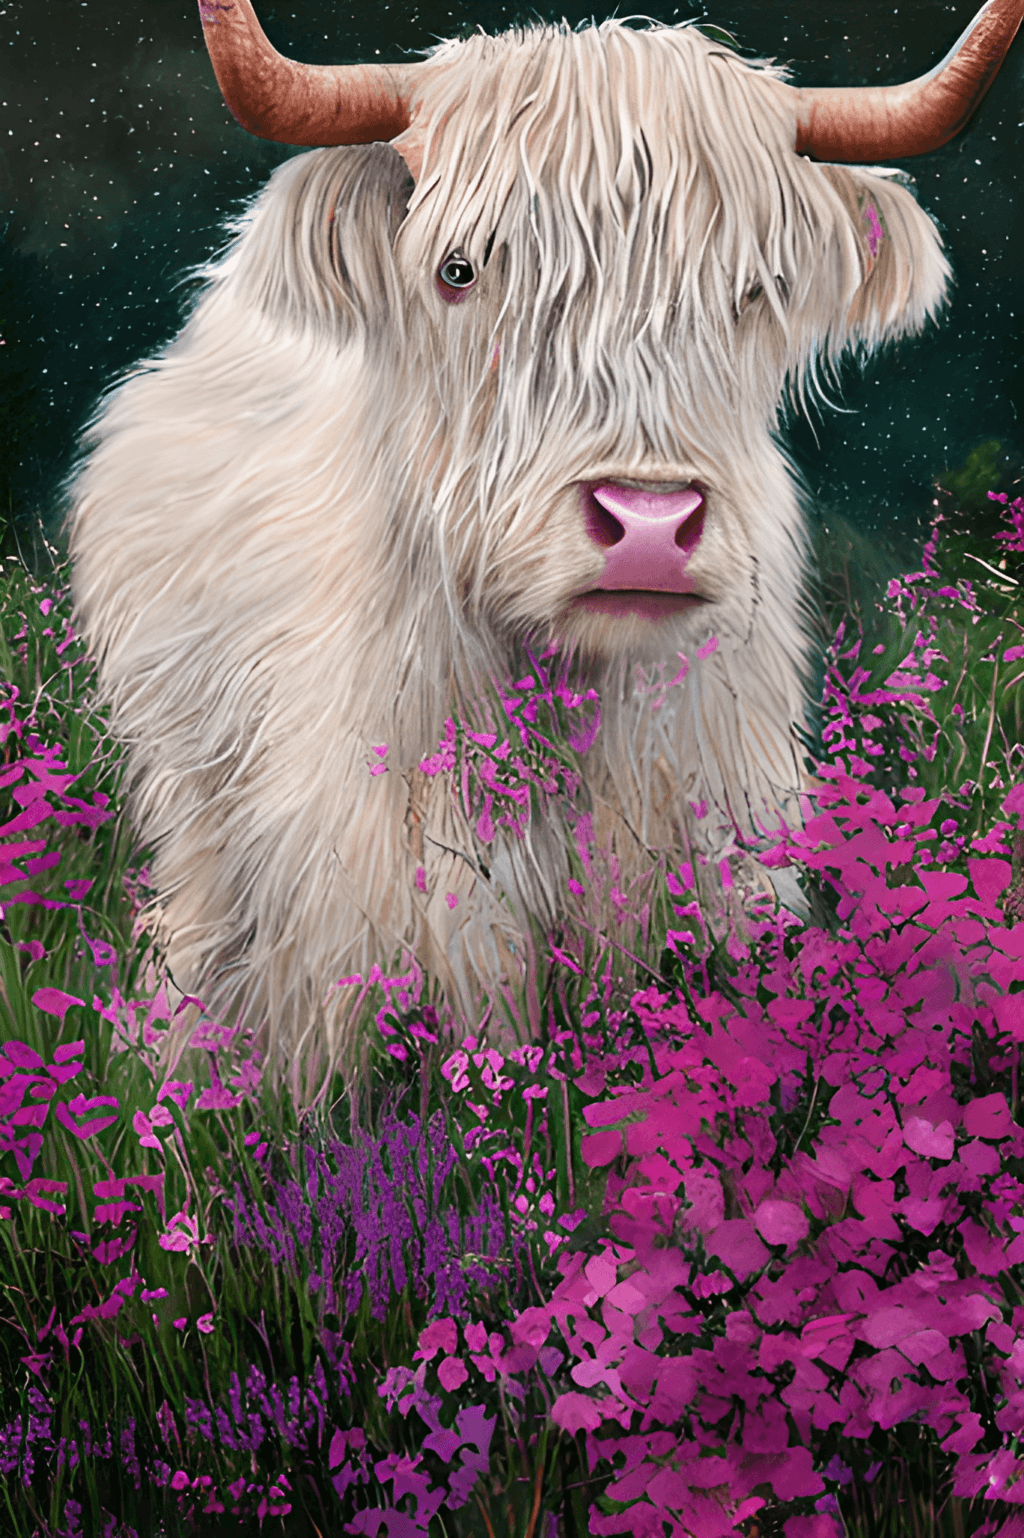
(54, 1002)
(182, 1232)
(452, 1373)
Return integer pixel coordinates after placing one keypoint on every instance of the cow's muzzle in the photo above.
(648, 534)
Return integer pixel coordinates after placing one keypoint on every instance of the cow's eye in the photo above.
(457, 272)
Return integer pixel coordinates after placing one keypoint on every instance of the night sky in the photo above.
(120, 164)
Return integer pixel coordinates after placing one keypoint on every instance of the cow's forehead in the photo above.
(610, 80)
(661, 124)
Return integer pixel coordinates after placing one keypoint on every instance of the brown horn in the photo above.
(300, 103)
(872, 123)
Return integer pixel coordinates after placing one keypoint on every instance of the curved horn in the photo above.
(291, 103)
(871, 123)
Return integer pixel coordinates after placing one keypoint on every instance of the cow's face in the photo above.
(613, 262)
(577, 328)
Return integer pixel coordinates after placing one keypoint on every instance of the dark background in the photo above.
(120, 164)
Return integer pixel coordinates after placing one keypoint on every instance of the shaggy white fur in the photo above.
(337, 503)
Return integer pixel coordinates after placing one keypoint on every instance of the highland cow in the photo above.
(511, 378)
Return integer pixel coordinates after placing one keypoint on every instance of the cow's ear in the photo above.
(317, 252)
(904, 272)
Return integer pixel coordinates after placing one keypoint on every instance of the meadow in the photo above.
(732, 1241)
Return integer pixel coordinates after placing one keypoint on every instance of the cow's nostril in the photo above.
(602, 526)
(688, 534)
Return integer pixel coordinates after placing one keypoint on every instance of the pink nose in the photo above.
(648, 536)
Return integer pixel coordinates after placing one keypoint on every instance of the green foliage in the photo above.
(985, 469)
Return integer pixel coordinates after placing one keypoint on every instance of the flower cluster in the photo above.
(376, 1217)
(506, 782)
(816, 1205)
(462, 1447)
(936, 703)
(1011, 539)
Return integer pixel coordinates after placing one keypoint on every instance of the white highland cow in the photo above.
(509, 379)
